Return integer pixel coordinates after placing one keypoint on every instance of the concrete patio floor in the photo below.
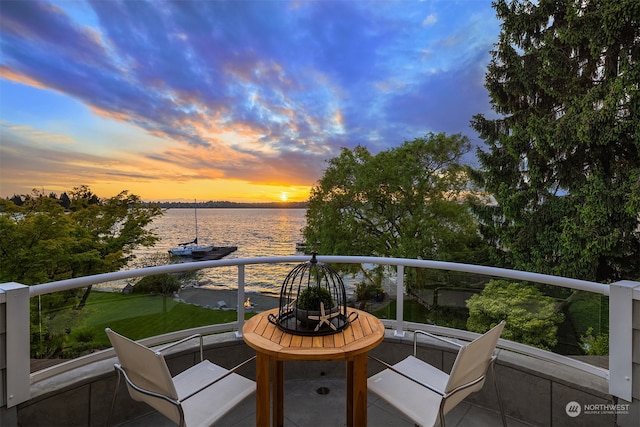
(321, 403)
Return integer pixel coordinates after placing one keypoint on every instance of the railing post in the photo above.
(621, 339)
(624, 348)
(240, 309)
(634, 412)
(399, 332)
(14, 349)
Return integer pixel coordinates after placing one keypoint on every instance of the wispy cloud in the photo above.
(255, 90)
(430, 20)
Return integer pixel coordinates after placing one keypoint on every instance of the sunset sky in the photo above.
(227, 100)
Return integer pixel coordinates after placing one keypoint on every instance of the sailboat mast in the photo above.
(195, 212)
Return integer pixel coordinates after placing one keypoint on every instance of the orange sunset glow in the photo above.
(227, 101)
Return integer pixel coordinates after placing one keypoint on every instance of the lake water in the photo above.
(255, 232)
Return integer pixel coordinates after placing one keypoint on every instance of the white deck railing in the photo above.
(624, 299)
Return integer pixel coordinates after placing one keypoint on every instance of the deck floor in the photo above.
(305, 407)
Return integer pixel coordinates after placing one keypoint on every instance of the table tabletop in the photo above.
(275, 346)
(362, 334)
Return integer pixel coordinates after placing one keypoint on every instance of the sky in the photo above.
(241, 101)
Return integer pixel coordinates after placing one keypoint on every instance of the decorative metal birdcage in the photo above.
(313, 301)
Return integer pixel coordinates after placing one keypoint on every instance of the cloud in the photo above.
(52, 160)
(429, 20)
(259, 91)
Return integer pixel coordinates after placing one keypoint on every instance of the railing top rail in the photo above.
(79, 282)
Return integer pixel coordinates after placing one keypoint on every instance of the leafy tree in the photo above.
(531, 317)
(563, 159)
(41, 242)
(409, 201)
(82, 197)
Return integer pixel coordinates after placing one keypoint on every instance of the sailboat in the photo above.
(189, 248)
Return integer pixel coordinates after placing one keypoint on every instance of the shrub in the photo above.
(595, 344)
(165, 284)
(532, 318)
(311, 297)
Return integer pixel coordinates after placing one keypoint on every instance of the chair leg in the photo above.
(113, 400)
(441, 413)
(495, 383)
(441, 419)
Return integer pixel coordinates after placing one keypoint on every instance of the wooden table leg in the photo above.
(359, 390)
(262, 390)
(278, 393)
(349, 393)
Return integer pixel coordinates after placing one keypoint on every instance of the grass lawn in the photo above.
(140, 316)
(135, 316)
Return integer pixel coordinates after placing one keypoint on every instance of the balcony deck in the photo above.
(306, 407)
(535, 393)
(536, 386)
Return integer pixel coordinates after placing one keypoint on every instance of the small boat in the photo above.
(192, 247)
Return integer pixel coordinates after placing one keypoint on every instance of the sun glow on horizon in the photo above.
(203, 190)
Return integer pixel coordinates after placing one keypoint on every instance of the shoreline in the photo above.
(213, 298)
(227, 299)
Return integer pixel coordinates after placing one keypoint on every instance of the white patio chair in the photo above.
(425, 393)
(196, 397)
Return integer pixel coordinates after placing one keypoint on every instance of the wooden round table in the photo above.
(274, 346)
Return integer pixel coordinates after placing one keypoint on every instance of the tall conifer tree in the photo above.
(563, 157)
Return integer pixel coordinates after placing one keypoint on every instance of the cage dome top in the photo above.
(312, 300)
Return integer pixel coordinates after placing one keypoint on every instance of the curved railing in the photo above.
(398, 324)
(79, 282)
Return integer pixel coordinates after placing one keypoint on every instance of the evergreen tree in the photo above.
(65, 201)
(563, 158)
(17, 200)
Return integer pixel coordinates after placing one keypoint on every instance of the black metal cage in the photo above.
(313, 300)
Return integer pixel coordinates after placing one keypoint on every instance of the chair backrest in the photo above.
(472, 363)
(146, 369)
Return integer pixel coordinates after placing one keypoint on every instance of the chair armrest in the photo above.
(163, 348)
(229, 372)
(139, 389)
(419, 332)
(425, 385)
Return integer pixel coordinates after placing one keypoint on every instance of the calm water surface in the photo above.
(256, 233)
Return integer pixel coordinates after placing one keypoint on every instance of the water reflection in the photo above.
(255, 232)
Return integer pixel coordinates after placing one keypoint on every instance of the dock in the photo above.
(217, 253)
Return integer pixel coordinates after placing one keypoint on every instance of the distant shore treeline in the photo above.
(65, 201)
(224, 204)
